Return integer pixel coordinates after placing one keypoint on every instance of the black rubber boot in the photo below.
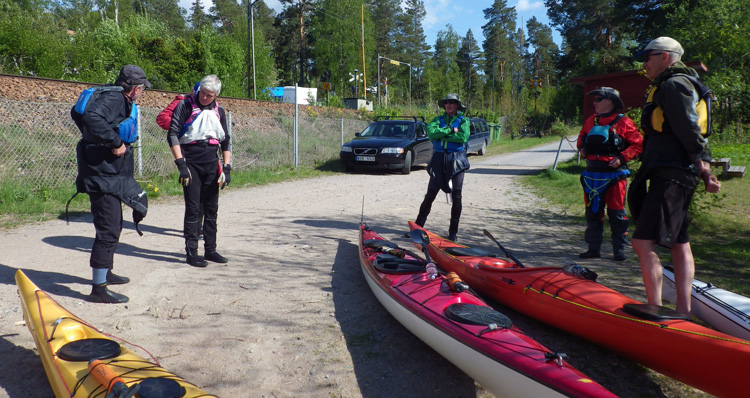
(453, 230)
(590, 254)
(420, 221)
(100, 294)
(194, 259)
(113, 279)
(216, 257)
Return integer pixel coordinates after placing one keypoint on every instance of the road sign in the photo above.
(357, 77)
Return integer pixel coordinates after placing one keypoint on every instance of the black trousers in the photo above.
(107, 212)
(433, 188)
(201, 196)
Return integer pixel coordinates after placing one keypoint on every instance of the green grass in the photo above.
(24, 202)
(720, 226)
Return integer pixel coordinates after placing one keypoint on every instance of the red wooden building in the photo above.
(631, 84)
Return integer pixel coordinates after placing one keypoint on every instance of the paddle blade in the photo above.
(420, 238)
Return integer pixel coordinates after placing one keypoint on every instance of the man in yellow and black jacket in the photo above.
(675, 159)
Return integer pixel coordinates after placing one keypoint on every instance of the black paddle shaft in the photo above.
(507, 253)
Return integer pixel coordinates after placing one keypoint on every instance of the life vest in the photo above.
(652, 118)
(202, 124)
(455, 123)
(603, 139)
(448, 146)
(127, 128)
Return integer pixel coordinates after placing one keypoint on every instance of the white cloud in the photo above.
(524, 5)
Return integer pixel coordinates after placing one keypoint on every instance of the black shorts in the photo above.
(664, 217)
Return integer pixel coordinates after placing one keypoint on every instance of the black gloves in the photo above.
(227, 175)
(185, 176)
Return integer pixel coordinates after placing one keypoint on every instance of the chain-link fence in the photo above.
(37, 143)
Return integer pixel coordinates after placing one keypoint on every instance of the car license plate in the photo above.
(365, 158)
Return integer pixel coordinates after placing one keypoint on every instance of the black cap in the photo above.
(132, 75)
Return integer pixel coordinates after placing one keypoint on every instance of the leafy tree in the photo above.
(31, 42)
(546, 53)
(414, 49)
(501, 48)
(466, 57)
(165, 11)
(600, 34)
(293, 53)
(198, 16)
(339, 51)
(385, 15)
(717, 33)
(228, 16)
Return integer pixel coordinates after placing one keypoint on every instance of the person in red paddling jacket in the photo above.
(608, 140)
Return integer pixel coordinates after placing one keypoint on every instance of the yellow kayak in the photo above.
(67, 344)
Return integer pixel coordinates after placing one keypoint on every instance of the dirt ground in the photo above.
(291, 314)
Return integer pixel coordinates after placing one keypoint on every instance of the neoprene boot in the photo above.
(100, 294)
(113, 279)
(194, 259)
(618, 222)
(216, 257)
(593, 234)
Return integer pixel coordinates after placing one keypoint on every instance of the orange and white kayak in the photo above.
(565, 298)
(67, 344)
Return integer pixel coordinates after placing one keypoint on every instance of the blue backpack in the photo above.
(127, 128)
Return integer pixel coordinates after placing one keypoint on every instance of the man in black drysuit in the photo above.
(105, 173)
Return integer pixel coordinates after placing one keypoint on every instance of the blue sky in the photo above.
(462, 15)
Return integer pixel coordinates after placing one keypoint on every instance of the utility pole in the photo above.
(251, 40)
(301, 45)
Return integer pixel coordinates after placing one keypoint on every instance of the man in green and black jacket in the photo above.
(448, 133)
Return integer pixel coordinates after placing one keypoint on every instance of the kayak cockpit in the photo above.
(390, 264)
(653, 312)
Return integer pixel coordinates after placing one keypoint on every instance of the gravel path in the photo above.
(291, 314)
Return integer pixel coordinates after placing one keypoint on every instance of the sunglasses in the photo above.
(599, 99)
(451, 102)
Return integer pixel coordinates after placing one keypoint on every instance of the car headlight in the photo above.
(392, 150)
(346, 149)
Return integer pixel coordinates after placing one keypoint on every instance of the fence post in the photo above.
(296, 127)
(342, 131)
(229, 130)
(559, 148)
(139, 147)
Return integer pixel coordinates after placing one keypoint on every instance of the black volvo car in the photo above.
(394, 143)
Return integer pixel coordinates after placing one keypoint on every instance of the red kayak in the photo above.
(570, 299)
(461, 327)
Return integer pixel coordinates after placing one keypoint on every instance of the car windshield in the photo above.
(392, 130)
